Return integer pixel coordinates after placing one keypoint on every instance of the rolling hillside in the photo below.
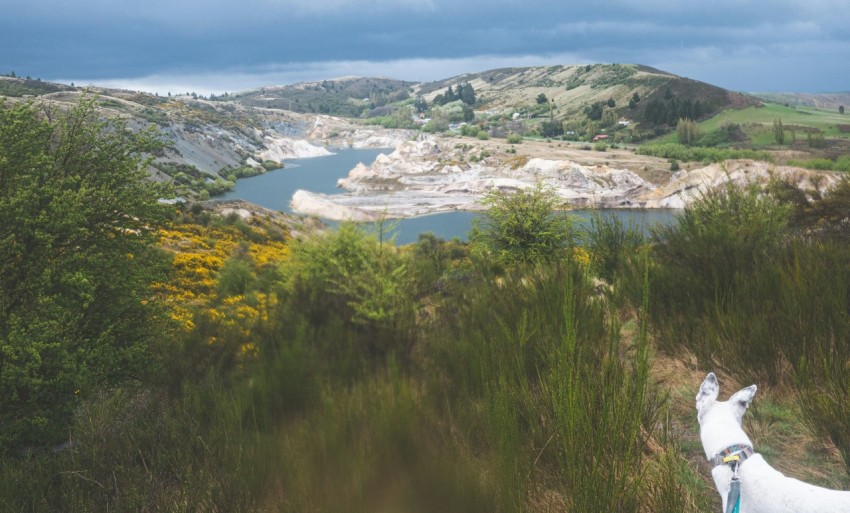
(638, 93)
(573, 89)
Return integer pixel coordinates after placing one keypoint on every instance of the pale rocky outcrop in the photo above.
(345, 134)
(279, 149)
(428, 176)
(686, 186)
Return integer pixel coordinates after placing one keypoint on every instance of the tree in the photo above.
(468, 94)
(841, 109)
(468, 113)
(611, 103)
(687, 130)
(541, 99)
(594, 112)
(778, 131)
(449, 96)
(77, 224)
(420, 104)
(551, 128)
(354, 276)
(521, 226)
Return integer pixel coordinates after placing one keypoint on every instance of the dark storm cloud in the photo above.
(734, 43)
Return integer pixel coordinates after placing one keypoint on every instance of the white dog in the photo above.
(762, 488)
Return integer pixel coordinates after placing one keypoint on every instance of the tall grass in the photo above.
(566, 404)
(599, 403)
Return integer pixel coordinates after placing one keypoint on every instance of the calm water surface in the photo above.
(274, 190)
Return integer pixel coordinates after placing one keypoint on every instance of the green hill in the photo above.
(642, 95)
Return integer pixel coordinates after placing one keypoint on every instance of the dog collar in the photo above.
(736, 453)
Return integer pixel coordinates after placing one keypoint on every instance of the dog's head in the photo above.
(720, 421)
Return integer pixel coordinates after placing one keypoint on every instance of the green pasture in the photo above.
(757, 122)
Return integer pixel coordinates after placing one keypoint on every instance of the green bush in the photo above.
(354, 278)
(521, 226)
(482, 135)
(514, 138)
(611, 244)
(77, 223)
(718, 240)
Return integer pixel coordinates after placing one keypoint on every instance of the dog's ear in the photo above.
(741, 400)
(707, 391)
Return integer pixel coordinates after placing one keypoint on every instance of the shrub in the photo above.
(78, 217)
(514, 138)
(600, 146)
(611, 244)
(521, 226)
(482, 135)
(354, 277)
(718, 240)
(686, 154)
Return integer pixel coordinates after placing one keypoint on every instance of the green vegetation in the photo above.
(757, 122)
(345, 97)
(695, 153)
(842, 163)
(520, 226)
(17, 87)
(222, 365)
(464, 93)
(752, 132)
(687, 131)
(778, 131)
(738, 251)
(76, 260)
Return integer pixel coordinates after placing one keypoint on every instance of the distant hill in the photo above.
(16, 87)
(348, 97)
(825, 101)
(639, 93)
(209, 142)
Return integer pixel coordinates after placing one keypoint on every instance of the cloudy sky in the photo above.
(213, 46)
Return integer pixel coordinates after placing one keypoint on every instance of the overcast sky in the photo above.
(216, 45)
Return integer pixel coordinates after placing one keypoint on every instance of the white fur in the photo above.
(763, 489)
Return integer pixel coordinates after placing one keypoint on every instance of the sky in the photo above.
(216, 46)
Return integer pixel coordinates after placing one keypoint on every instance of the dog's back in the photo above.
(766, 490)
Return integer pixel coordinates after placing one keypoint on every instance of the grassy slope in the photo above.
(572, 88)
(757, 122)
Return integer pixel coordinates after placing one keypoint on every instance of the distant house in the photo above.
(624, 122)
(600, 137)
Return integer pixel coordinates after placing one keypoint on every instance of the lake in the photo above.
(274, 190)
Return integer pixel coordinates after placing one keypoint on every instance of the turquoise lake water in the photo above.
(274, 190)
